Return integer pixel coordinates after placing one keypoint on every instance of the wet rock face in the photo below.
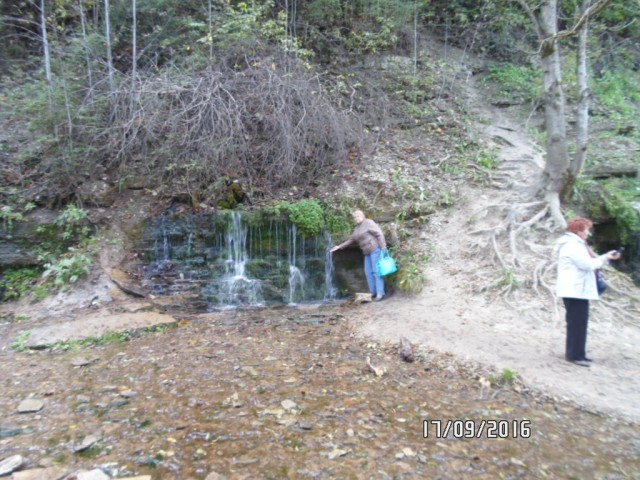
(18, 238)
(241, 259)
(13, 255)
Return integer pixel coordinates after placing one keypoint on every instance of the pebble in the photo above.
(30, 405)
(10, 464)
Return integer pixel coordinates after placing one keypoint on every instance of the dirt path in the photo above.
(451, 315)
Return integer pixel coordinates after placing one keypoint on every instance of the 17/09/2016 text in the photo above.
(476, 428)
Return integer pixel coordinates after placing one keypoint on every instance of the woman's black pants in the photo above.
(577, 319)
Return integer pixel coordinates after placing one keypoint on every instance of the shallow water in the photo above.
(287, 393)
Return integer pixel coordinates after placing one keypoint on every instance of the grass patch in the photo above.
(20, 343)
(109, 338)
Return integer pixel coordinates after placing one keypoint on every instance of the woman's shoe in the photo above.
(378, 298)
(582, 363)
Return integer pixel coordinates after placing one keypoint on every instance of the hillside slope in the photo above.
(486, 312)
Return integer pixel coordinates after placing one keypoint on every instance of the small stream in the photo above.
(238, 259)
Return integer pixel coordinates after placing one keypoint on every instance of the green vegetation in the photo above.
(244, 99)
(65, 253)
(337, 220)
(20, 343)
(508, 279)
(516, 81)
(308, 216)
(71, 266)
(619, 93)
(8, 216)
(17, 282)
(67, 267)
(486, 159)
(611, 198)
(109, 338)
(409, 279)
(507, 378)
(91, 452)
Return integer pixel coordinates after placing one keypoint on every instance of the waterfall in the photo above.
(236, 259)
(296, 284)
(296, 278)
(330, 290)
(236, 288)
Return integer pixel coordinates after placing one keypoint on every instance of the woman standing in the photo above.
(370, 239)
(576, 284)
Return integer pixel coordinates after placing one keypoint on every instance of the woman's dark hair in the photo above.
(578, 224)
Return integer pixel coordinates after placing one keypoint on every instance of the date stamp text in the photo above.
(476, 428)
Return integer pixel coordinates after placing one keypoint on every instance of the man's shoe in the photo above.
(582, 363)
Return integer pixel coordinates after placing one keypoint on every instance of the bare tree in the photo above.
(134, 42)
(107, 36)
(45, 44)
(210, 37)
(415, 38)
(582, 111)
(83, 25)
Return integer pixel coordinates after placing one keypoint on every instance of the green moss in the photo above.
(17, 282)
(307, 215)
(611, 200)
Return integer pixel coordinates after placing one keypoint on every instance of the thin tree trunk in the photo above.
(582, 113)
(107, 34)
(87, 57)
(415, 38)
(210, 39)
(134, 42)
(286, 26)
(45, 45)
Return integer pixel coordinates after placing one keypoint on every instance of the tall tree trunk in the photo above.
(582, 112)
(557, 156)
(45, 45)
(415, 38)
(134, 42)
(210, 39)
(107, 35)
(87, 57)
(556, 174)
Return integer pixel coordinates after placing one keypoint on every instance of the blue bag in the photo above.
(386, 265)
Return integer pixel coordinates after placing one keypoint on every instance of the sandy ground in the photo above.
(526, 334)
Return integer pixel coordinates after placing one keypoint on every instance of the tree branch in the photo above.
(590, 12)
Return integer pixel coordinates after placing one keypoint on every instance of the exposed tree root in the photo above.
(520, 246)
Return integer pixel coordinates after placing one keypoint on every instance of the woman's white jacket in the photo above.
(576, 268)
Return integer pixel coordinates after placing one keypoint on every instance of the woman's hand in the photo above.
(613, 255)
(337, 247)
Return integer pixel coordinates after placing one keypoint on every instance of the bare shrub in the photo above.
(271, 126)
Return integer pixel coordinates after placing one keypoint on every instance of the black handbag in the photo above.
(600, 283)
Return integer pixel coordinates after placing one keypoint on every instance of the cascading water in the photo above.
(235, 287)
(236, 259)
(296, 278)
(330, 290)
